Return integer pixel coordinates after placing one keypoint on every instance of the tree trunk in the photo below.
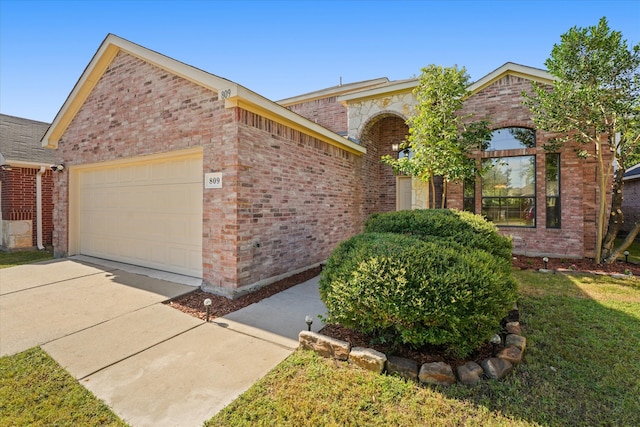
(625, 244)
(432, 183)
(602, 202)
(444, 193)
(616, 216)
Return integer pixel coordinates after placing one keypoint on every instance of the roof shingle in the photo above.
(20, 140)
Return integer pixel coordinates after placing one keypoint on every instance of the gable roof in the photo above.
(20, 142)
(399, 86)
(341, 89)
(632, 173)
(512, 69)
(233, 94)
(390, 88)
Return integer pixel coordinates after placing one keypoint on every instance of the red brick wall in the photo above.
(327, 112)
(19, 199)
(377, 179)
(501, 104)
(295, 199)
(288, 199)
(138, 109)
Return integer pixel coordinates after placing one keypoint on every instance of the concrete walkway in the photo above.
(153, 365)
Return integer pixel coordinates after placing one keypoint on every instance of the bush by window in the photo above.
(411, 291)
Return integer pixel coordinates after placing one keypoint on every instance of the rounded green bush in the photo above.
(461, 227)
(417, 292)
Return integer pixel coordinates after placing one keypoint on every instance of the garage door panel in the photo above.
(148, 214)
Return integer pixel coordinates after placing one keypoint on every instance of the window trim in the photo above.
(469, 183)
(559, 192)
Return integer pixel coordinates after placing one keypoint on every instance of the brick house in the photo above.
(545, 201)
(631, 202)
(26, 185)
(170, 167)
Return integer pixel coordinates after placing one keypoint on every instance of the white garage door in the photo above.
(146, 213)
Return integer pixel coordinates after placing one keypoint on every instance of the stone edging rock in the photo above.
(593, 273)
(438, 373)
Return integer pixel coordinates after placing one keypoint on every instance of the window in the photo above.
(552, 177)
(469, 195)
(512, 138)
(508, 191)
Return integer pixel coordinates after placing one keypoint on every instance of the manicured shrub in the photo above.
(417, 292)
(462, 227)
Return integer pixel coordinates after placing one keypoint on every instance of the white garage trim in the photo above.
(144, 211)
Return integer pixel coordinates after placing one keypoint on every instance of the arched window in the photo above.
(512, 138)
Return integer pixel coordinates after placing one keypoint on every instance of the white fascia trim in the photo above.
(226, 89)
(111, 45)
(632, 177)
(26, 165)
(403, 86)
(188, 72)
(332, 91)
(239, 96)
(531, 73)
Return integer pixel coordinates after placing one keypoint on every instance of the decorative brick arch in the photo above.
(379, 116)
(363, 113)
(378, 135)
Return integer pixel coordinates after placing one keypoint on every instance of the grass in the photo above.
(634, 249)
(581, 368)
(36, 391)
(11, 259)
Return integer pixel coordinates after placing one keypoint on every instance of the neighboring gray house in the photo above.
(631, 202)
(26, 185)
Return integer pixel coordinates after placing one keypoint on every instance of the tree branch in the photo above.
(625, 244)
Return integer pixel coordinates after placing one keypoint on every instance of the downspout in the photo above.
(39, 207)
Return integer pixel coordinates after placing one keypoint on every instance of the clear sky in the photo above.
(284, 48)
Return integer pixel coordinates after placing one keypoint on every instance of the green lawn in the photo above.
(36, 391)
(582, 368)
(11, 259)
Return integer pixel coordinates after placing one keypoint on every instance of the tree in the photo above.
(595, 100)
(439, 139)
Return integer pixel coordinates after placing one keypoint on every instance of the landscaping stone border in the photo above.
(438, 373)
(593, 273)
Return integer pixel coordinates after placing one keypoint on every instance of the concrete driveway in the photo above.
(152, 364)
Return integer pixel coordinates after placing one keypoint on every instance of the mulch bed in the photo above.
(192, 303)
(582, 265)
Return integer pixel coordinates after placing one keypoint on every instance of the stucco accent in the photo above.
(361, 112)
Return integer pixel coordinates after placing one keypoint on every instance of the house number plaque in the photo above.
(213, 180)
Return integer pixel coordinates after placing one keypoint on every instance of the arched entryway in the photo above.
(380, 184)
